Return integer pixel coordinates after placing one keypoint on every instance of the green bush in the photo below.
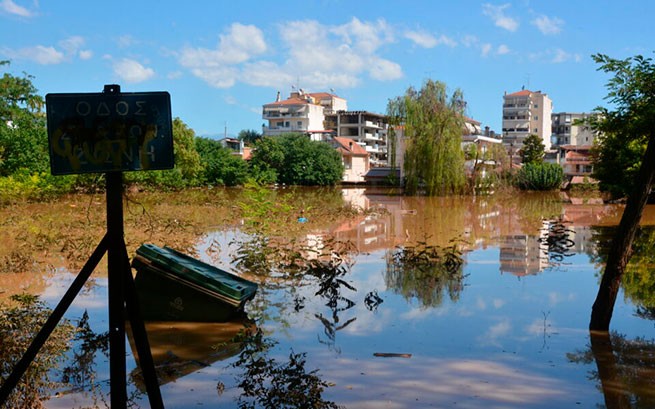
(540, 176)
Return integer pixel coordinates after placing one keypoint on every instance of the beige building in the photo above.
(566, 129)
(574, 141)
(355, 159)
(526, 112)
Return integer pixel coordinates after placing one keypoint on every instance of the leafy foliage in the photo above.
(294, 159)
(249, 136)
(23, 138)
(426, 272)
(19, 323)
(533, 149)
(221, 167)
(433, 121)
(624, 130)
(540, 176)
(268, 383)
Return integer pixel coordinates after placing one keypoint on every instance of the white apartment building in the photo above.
(367, 129)
(526, 112)
(301, 112)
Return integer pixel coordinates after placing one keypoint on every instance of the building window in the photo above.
(279, 124)
(536, 105)
(286, 124)
(536, 117)
(536, 130)
(299, 123)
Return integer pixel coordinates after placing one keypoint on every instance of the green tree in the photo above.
(616, 157)
(294, 159)
(249, 136)
(23, 138)
(309, 162)
(267, 158)
(632, 93)
(433, 122)
(533, 149)
(221, 166)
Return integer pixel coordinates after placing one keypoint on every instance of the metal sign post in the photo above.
(109, 132)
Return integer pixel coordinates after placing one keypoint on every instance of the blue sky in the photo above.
(221, 61)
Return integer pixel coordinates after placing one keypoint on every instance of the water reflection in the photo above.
(181, 348)
(474, 337)
(625, 369)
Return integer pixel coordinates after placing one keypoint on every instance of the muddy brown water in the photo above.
(508, 331)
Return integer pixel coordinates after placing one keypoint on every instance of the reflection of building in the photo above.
(524, 254)
(521, 255)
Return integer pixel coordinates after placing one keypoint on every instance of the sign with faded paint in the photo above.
(109, 132)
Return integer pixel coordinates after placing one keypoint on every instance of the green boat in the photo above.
(173, 286)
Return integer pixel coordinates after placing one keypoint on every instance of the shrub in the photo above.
(540, 176)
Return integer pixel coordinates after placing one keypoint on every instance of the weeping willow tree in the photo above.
(433, 123)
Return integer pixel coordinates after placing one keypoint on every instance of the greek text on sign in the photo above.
(107, 132)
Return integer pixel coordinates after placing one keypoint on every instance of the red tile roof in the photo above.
(289, 101)
(521, 93)
(349, 146)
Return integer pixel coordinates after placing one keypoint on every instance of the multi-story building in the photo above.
(568, 129)
(573, 139)
(526, 112)
(367, 129)
(301, 112)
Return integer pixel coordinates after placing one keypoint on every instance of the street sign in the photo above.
(109, 132)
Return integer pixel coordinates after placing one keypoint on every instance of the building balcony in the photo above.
(281, 129)
(286, 115)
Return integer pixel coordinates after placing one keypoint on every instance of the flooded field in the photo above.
(506, 329)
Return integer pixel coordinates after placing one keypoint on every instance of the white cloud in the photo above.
(10, 7)
(470, 40)
(497, 14)
(502, 49)
(316, 55)
(132, 71)
(85, 54)
(555, 56)
(421, 38)
(216, 66)
(427, 40)
(39, 54)
(126, 41)
(385, 70)
(547, 25)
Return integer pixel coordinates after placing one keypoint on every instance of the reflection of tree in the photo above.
(625, 369)
(19, 323)
(329, 270)
(639, 278)
(268, 383)
(81, 373)
(425, 272)
(557, 242)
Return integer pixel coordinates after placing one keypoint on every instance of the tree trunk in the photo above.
(620, 252)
